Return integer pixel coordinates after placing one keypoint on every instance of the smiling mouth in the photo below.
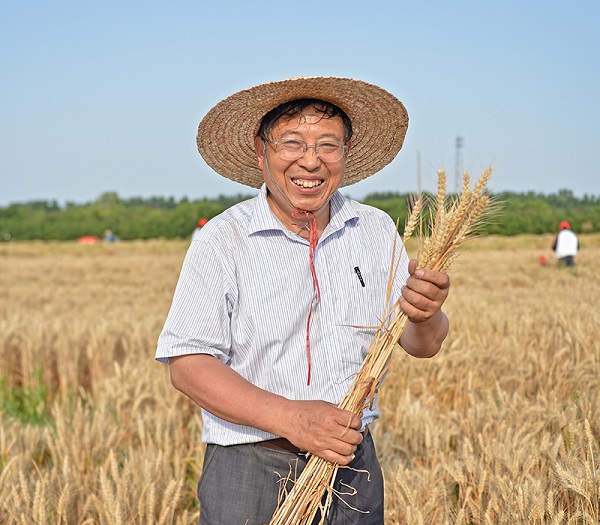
(307, 183)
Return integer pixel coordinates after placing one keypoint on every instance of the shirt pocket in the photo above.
(364, 306)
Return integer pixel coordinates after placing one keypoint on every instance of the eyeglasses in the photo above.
(294, 149)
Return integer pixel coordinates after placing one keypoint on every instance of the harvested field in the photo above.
(503, 427)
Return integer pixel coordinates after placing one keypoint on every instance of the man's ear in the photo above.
(259, 147)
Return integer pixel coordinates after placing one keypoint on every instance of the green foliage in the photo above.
(139, 218)
(129, 219)
(28, 404)
(517, 213)
(537, 213)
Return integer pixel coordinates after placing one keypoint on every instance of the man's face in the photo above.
(307, 181)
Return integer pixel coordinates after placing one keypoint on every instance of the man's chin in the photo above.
(300, 199)
(309, 201)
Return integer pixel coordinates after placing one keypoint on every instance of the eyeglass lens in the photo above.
(292, 149)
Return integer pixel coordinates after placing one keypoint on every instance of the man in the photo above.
(280, 296)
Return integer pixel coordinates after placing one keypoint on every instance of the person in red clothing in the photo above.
(200, 224)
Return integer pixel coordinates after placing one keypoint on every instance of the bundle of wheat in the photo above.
(453, 221)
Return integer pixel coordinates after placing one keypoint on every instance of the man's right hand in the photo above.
(324, 430)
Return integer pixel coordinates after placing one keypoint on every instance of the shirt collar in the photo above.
(341, 212)
(263, 218)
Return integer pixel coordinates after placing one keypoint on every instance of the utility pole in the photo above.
(418, 173)
(458, 165)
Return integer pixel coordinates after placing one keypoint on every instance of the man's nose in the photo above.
(310, 157)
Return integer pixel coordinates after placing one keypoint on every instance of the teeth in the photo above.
(307, 183)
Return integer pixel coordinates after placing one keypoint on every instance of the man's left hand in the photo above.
(424, 293)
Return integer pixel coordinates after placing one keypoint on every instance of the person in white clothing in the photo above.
(566, 245)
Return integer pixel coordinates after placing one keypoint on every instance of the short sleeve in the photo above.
(199, 319)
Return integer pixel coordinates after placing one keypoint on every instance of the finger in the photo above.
(418, 300)
(418, 307)
(347, 459)
(420, 293)
(349, 420)
(415, 314)
(439, 279)
(344, 453)
(332, 457)
(351, 434)
(434, 285)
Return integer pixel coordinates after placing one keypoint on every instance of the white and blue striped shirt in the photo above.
(245, 291)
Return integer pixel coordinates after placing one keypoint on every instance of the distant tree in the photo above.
(144, 218)
(109, 199)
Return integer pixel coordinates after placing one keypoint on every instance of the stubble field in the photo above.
(502, 427)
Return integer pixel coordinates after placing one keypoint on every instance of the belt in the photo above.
(280, 444)
(284, 444)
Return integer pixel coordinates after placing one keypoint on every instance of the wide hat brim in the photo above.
(379, 122)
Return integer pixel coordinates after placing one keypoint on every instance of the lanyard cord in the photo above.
(316, 298)
(311, 224)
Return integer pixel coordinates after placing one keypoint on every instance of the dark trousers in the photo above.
(569, 261)
(240, 485)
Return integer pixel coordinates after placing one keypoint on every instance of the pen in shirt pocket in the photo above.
(359, 275)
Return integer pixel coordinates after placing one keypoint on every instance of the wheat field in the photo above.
(502, 427)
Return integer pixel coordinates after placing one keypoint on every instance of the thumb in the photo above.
(412, 266)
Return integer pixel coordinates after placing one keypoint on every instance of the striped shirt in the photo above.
(244, 294)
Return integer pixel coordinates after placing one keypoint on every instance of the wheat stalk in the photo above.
(454, 221)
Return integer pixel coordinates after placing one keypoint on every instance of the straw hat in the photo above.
(379, 122)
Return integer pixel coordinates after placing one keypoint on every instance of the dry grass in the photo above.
(501, 427)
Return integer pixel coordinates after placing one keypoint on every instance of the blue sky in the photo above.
(107, 96)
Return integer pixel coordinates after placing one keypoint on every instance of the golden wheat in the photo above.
(490, 430)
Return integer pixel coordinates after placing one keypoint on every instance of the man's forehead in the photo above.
(310, 116)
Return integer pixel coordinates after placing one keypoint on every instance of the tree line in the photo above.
(160, 217)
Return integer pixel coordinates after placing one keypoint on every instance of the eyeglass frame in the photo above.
(314, 145)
